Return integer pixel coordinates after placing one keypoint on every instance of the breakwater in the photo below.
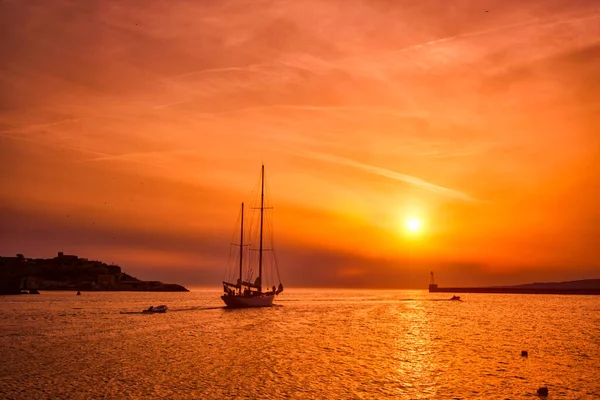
(581, 287)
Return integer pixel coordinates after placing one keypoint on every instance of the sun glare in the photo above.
(413, 225)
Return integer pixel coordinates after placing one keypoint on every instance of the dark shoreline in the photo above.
(582, 287)
(21, 275)
(507, 290)
(25, 292)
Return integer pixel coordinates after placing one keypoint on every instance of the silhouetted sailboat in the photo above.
(245, 293)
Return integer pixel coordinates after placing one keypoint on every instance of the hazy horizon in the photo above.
(388, 275)
(130, 132)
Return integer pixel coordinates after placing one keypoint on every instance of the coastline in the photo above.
(581, 287)
(21, 275)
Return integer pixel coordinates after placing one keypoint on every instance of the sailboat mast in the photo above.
(262, 209)
(241, 247)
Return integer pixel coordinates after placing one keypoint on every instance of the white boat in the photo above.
(246, 291)
(158, 309)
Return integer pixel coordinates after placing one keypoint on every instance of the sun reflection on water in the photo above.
(333, 344)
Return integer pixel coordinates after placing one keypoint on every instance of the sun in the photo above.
(413, 225)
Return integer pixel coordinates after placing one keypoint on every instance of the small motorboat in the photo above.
(157, 309)
(455, 298)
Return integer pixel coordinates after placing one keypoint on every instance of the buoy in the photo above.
(543, 391)
(524, 353)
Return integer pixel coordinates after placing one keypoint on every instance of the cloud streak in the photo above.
(372, 169)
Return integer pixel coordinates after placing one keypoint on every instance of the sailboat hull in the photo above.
(263, 300)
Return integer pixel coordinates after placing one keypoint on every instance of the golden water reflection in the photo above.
(318, 344)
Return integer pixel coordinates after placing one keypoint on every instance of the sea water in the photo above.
(314, 344)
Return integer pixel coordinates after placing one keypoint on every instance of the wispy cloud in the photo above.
(412, 180)
(138, 156)
(535, 22)
(39, 127)
(175, 103)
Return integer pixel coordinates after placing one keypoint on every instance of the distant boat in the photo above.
(455, 298)
(78, 293)
(157, 309)
(244, 293)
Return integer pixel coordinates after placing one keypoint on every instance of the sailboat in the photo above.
(244, 293)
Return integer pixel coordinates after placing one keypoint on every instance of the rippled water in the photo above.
(321, 344)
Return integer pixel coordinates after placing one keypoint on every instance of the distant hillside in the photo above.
(582, 287)
(581, 284)
(69, 272)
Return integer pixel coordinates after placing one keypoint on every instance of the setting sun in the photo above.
(413, 225)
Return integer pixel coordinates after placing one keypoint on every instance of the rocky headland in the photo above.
(69, 272)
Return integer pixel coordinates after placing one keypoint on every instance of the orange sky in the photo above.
(131, 131)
